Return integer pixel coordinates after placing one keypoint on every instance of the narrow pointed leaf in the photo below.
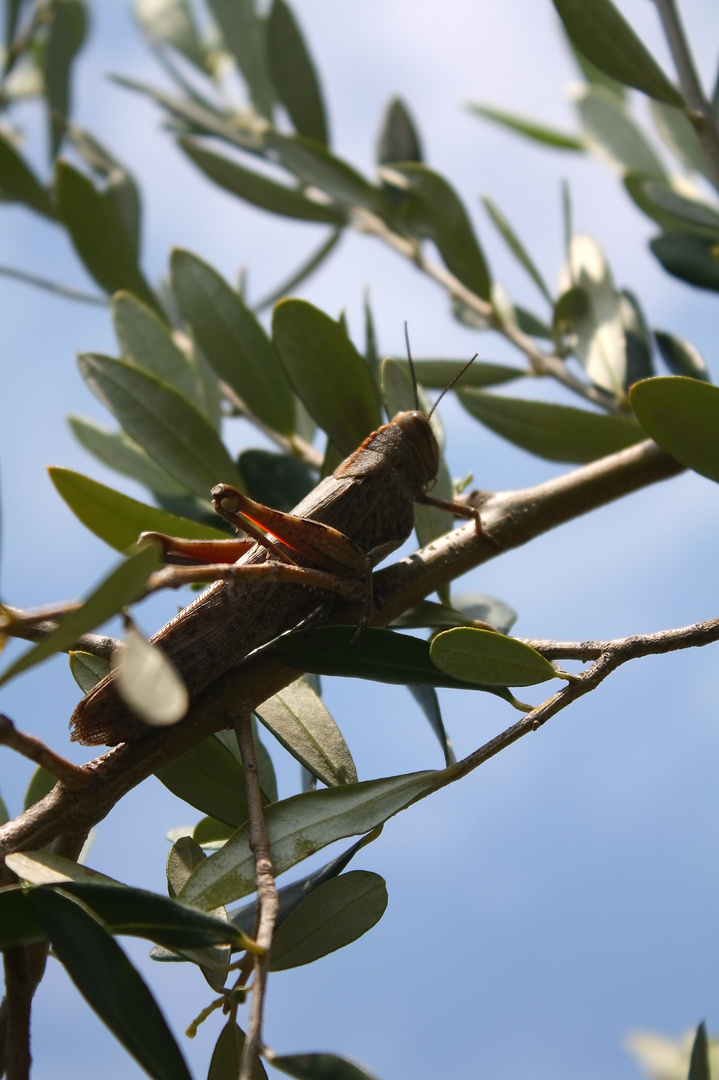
(516, 246)
(293, 74)
(99, 234)
(489, 658)
(46, 868)
(679, 135)
(41, 782)
(599, 31)
(227, 1055)
(109, 983)
(297, 717)
(163, 422)
(398, 139)
(304, 271)
(438, 374)
(122, 587)
(314, 165)
(681, 357)
(328, 374)
(320, 1066)
(66, 33)
(118, 451)
(301, 825)
(670, 209)
(531, 129)
(233, 341)
(426, 698)
(244, 35)
(554, 432)
(257, 189)
(699, 1061)
(210, 778)
(611, 132)
(682, 415)
(116, 518)
(690, 258)
(172, 21)
(331, 917)
(18, 182)
(146, 341)
(380, 655)
(638, 340)
(434, 211)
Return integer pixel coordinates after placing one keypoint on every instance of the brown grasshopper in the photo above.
(328, 544)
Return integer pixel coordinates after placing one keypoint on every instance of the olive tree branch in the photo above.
(267, 902)
(511, 518)
(699, 110)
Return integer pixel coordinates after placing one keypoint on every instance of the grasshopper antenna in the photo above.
(411, 368)
(447, 388)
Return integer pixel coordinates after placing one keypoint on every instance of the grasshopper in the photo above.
(286, 572)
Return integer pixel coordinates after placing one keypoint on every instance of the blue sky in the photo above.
(565, 893)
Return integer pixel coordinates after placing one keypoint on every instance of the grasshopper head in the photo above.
(421, 441)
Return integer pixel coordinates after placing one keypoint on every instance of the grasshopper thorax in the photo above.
(404, 452)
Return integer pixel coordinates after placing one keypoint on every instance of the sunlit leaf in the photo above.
(149, 683)
(116, 518)
(293, 74)
(555, 432)
(670, 209)
(87, 669)
(611, 132)
(109, 983)
(163, 422)
(485, 657)
(682, 415)
(300, 721)
(244, 34)
(122, 587)
(328, 374)
(598, 30)
(679, 135)
(332, 916)
(172, 22)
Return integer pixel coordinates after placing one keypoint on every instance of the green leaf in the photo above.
(18, 182)
(426, 698)
(116, 518)
(172, 22)
(531, 324)
(41, 783)
(492, 659)
(109, 983)
(276, 480)
(99, 233)
(594, 76)
(257, 189)
(301, 825)
(18, 925)
(681, 357)
(531, 129)
(65, 35)
(210, 778)
(4, 816)
(398, 138)
(149, 683)
(699, 1061)
(599, 31)
(670, 209)
(554, 432)
(244, 35)
(679, 135)
(611, 132)
(121, 190)
(328, 374)
(438, 374)
(319, 1067)
(294, 75)
(333, 916)
(227, 1055)
(466, 610)
(516, 246)
(312, 164)
(380, 655)
(599, 342)
(45, 868)
(297, 717)
(690, 258)
(118, 451)
(434, 211)
(638, 341)
(682, 415)
(87, 669)
(211, 831)
(233, 341)
(124, 585)
(163, 422)
(146, 341)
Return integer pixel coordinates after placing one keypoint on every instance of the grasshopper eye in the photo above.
(416, 426)
(224, 498)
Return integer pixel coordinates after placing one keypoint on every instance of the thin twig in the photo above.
(53, 286)
(267, 902)
(72, 776)
(23, 626)
(699, 110)
(295, 446)
(686, 637)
